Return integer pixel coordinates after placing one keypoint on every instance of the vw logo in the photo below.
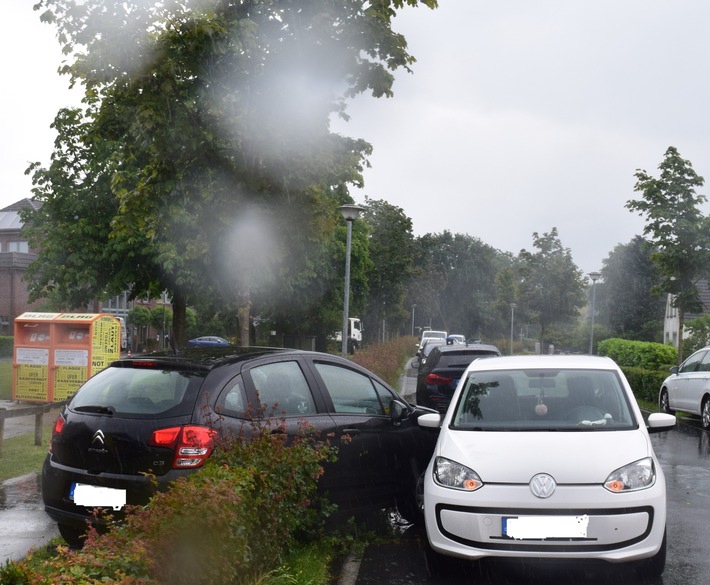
(542, 485)
(98, 438)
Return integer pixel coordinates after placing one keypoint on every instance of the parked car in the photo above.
(158, 415)
(546, 457)
(430, 334)
(427, 348)
(439, 375)
(208, 341)
(687, 389)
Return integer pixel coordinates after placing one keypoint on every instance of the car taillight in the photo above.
(191, 444)
(57, 429)
(437, 379)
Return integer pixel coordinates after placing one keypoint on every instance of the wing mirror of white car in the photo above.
(430, 421)
(660, 421)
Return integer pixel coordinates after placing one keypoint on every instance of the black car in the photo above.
(158, 415)
(439, 375)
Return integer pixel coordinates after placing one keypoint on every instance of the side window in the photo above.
(705, 364)
(385, 395)
(282, 389)
(232, 401)
(692, 364)
(350, 391)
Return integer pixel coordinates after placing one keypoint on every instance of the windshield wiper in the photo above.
(109, 410)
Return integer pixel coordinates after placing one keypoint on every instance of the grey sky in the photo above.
(520, 116)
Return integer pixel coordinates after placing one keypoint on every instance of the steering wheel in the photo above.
(585, 412)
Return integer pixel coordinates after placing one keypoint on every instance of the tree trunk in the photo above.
(243, 315)
(681, 326)
(179, 335)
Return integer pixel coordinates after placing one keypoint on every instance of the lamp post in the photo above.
(594, 276)
(350, 213)
(512, 319)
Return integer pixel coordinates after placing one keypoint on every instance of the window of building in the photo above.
(22, 247)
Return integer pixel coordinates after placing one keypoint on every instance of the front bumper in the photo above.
(616, 527)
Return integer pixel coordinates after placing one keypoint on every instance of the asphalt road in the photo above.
(684, 454)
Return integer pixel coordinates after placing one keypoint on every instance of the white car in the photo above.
(430, 334)
(546, 457)
(687, 389)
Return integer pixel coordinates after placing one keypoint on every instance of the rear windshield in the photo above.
(529, 400)
(454, 359)
(139, 391)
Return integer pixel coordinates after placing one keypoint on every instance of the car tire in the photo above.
(705, 413)
(664, 402)
(411, 505)
(652, 568)
(73, 536)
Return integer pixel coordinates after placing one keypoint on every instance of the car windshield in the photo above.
(543, 400)
(139, 391)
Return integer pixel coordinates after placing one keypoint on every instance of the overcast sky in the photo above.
(519, 117)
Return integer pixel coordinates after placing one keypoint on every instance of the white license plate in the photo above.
(94, 496)
(540, 527)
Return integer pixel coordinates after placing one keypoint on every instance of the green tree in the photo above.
(551, 287)
(391, 252)
(200, 122)
(627, 303)
(678, 231)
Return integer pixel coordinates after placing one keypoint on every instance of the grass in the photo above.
(20, 455)
(6, 380)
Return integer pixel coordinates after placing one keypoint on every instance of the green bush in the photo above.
(638, 354)
(7, 345)
(231, 523)
(645, 383)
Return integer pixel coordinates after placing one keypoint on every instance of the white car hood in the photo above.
(569, 457)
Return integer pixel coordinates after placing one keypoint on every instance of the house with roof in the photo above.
(15, 257)
(671, 320)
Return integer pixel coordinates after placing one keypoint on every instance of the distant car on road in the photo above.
(440, 373)
(427, 347)
(687, 389)
(430, 334)
(455, 338)
(546, 457)
(208, 341)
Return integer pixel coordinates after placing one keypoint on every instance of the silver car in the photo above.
(687, 389)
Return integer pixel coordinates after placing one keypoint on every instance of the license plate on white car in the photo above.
(541, 527)
(94, 496)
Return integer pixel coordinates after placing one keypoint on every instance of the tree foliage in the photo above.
(204, 139)
(551, 287)
(677, 229)
(627, 301)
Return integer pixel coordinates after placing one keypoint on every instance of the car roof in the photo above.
(545, 362)
(469, 346)
(204, 358)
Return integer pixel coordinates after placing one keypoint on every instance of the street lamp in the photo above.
(512, 318)
(413, 307)
(594, 276)
(350, 213)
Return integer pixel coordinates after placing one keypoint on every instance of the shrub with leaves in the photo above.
(231, 523)
(387, 360)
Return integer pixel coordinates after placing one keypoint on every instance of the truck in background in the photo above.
(354, 334)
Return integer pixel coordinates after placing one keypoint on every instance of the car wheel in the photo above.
(73, 536)
(411, 506)
(705, 413)
(652, 568)
(664, 402)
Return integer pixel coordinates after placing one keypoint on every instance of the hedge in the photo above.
(6, 346)
(639, 354)
(645, 383)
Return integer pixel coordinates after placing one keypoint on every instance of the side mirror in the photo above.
(398, 411)
(660, 421)
(674, 370)
(430, 421)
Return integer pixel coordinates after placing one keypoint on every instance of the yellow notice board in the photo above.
(55, 353)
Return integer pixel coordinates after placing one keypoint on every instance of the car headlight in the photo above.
(634, 476)
(453, 475)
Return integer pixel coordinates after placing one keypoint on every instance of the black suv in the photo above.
(159, 414)
(440, 374)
